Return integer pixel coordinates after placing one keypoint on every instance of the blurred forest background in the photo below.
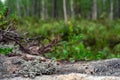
(88, 29)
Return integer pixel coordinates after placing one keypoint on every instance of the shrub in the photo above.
(80, 40)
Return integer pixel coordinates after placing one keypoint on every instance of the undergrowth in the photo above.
(80, 39)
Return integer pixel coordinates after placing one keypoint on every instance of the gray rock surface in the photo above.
(3, 69)
(71, 76)
(51, 71)
(36, 68)
(17, 66)
(109, 67)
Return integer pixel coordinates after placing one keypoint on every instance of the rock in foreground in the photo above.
(36, 70)
(71, 76)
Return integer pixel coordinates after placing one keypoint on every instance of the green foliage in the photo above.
(71, 52)
(5, 21)
(5, 18)
(3, 11)
(5, 50)
(80, 40)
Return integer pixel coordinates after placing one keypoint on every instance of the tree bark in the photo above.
(119, 8)
(94, 9)
(54, 9)
(43, 9)
(18, 8)
(103, 2)
(35, 8)
(111, 9)
(65, 11)
(28, 8)
(72, 9)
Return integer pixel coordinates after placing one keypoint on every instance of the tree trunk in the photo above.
(18, 8)
(103, 2)
(28, 8)
(35, 8)
(43, 9)
(94, 9)
(111, 9)
(119, 8)
(65, 11)
(72, 9)
(54, 8)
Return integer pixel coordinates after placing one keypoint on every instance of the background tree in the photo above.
(18, 8)
(65, 11)
(119, 8)
(72, 8)
(59, 9)
(43, 9)
(94, 9)
(54, 9)
(111, 9)
(35, 6)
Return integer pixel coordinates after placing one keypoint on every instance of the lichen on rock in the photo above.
(110, 67)
(36, 67)
(3, 69)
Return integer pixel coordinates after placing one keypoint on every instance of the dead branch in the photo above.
(29, 46)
